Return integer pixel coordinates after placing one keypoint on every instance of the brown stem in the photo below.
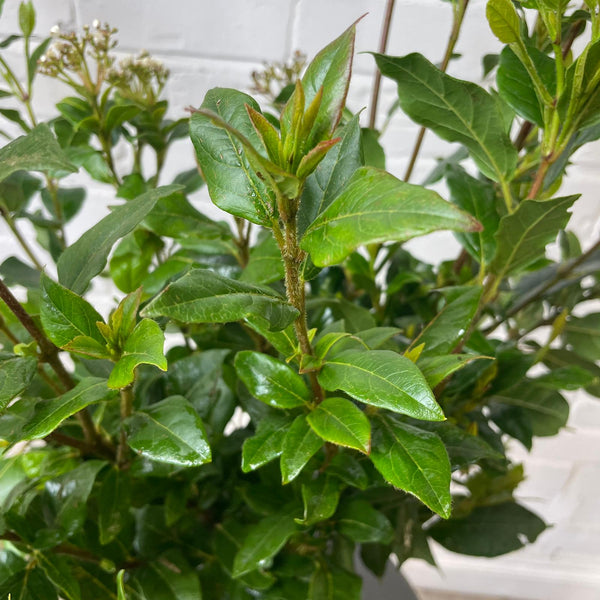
(385, 32)
(126, 410)
(243, 241)
(538, 182)
(84, 447)
(459, 16)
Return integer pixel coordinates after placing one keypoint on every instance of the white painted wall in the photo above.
(206, 43)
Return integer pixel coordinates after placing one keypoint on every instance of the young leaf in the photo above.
(489, 530)
(121, 586)
(202, 296)
(169, 431)
(233, 184)
(263, 541)
(504, 20)
(359, 521)
(447, 328)
(478, 198)
(266, 444)
(320, 499)
(413, 460)
(522, 236)
(376, 207)
(271, 381)
(66, 316)
(86, 258)
(16, 373)
(457, 111)
(299, 446)
(144, 346)
(339, 421)
(36, 151)
(329, 70)
(382, 378)
(49, 414)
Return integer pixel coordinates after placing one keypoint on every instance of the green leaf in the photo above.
(583, 335)
(348, 469)
(362, 523)
(143, 347)
(121, 586)
(330, 71)
(265, 264)
(118, 114)
(26, 17)
(299, 446)
(86, 258)
(59, 572)
(489, 530)
(169, 581)
(382, 378)
(516, 87)
(70, 200)
(457, 111)
(28, 584)
(49, 414)
(266, 444)
(114, 499)
(232, 183)
(36, 151)
(16, 373)
(504, 20)
(570, 377)
(263, 541)
(478, 198)
(436, 368)
(132, 259)
(376, 207)
(66, 316)
(202, 296)
(169, 431)
(339, 421)
(330, 582)
(332, 174)
(448, 327)
(413, 460)
(522, 236)
(270, 380)
(320, 499)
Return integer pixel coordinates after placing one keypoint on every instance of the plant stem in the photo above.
(538, 182)
(126, 410)
(458, 17)
(19, 237)
(385, 32)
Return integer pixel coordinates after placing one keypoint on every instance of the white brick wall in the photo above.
(207, 43)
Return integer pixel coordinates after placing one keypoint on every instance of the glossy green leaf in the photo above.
(36, 151)
(233, 185)
(504, 20)
(66, 316)
(330, 582)
(114, 499)
(266, 444)
(300, 444)
(28, 584)
(169, 431)
(489, 530)
(263, 541)
(382, 378)
(320, 499)
(86, 258)
(448, 327)
(456, 110)
(413, 460)
(362, 523)
(583, 335)
(348, 469)
(330, 71)
(436, 368)
(49, 414)
(16, 373)
(339, 421)
(202, 296)
(376, 207)
(121, 586)
(118, 114)
(132, 259)
(265, 264)
(522, 236)
(143, 347)
(169, 581)
(570, 377)
(478, 198)
(332, 174)
(58, 571)
(270, 380)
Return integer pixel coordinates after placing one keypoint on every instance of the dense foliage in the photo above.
(322, 386)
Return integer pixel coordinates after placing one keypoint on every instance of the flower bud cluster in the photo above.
(275, 76)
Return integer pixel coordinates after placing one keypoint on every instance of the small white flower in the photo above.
(55, 30)
(95, 23)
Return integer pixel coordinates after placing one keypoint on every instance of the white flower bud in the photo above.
(95, 23)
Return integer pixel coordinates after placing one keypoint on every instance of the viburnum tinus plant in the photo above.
(363, 381)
